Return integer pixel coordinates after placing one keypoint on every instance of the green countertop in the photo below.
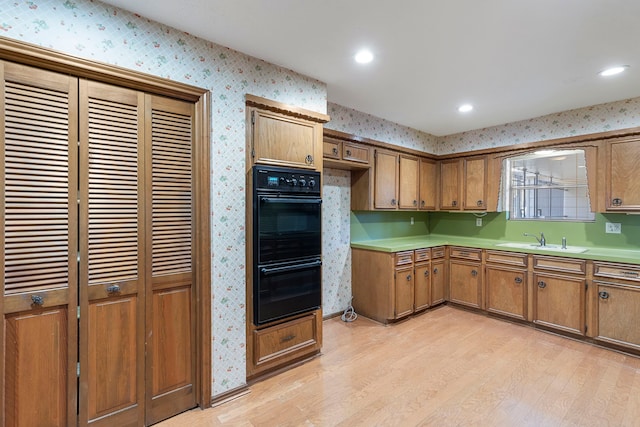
(427, 241)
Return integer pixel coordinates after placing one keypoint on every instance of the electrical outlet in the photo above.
(412, 222)
(478, 222)
(613, 227)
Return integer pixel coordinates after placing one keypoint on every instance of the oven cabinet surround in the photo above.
(596, 301)
(283, 135)
(390, 286)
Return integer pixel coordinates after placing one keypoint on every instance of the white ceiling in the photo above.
(512, 59)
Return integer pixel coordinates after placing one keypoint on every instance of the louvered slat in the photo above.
(113, 192)
(172, 193)
(36, 190)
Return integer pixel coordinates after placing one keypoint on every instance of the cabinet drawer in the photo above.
(437, 252)
(616, 271)
(556, 264)
(422, 255)
(510, 258)
(405, 257)
(465, 253)
(285, 341)
(331, 149)
(355, 152)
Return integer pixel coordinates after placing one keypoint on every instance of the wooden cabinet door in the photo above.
(438, 280)
(39, 233)
(386, 180)
(618, 314)
(284, 140)
(112, 255)
(408, 192)
(559, 302)
(170, 297)
(622, 185)
(450, 180)
(506, 291)
(404, 284)
(475, 183)
(428, 184)
(422, 290)
(465, 283)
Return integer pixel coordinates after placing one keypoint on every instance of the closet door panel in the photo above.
(39, 269)
(171, 321)
(112, 255)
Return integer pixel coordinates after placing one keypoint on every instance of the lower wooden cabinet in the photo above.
(506, 284)
(465, 276)
(438, 280)
(404, 284)
(276, 345)
(618, 304)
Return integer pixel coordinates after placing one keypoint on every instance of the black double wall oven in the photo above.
(287, 245)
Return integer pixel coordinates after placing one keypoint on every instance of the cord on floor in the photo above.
(349, 314)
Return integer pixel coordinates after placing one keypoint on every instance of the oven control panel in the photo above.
(285, 180)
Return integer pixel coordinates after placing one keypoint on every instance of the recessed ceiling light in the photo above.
(364, 56)
(465, 108)
(613, 71)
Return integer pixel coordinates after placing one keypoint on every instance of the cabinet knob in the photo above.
(479, 203)
(309, 159)
(474, 273)
(541, 284)
(454, 203)
(435, 271)
(393, 202)
(616, 202)
(408, 277)
(335, 151)
(37, 300)
(518, 280)
(348, 152)
(415, 203)
(603, 294)
(113, 289)
(426, 273)
(422, 203)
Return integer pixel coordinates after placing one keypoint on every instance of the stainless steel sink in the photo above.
(547, 248)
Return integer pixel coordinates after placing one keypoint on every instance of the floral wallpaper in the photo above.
(93, 30)
(351, 121)
(597, 118)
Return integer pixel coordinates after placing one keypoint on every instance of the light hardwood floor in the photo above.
(445, 367)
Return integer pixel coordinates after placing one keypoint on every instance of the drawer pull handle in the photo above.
(616, 202)
(518, 280)
(603, 295)
(287, 338)
(37, 300)
(335, 151)
(629, 273)
(542, 285)
(113, 289)
(348, 152)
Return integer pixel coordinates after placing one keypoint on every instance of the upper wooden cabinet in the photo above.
(281, 135)
(408, 191)
(622, 188)
(345, 154)
(463, 183)
(428, 185)
(386, 179)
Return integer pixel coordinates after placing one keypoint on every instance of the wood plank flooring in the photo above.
(445, 367)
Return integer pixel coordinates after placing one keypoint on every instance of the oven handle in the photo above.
(266, 271)
(285, 200)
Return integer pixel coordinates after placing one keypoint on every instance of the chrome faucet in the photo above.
(541, 239)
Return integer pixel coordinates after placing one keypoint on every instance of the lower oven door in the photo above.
(285, 289)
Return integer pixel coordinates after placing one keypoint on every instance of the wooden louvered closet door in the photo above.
(39, 244)
(171, 369)
(98, 248)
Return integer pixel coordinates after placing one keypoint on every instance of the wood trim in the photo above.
(378, 144)
(29, 54)
(229, 395)
(289, 110)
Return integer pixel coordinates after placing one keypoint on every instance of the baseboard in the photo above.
(229, 395)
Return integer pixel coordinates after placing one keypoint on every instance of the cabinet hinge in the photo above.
(585, 329)
(253, 117)
(586, 285)
(78, 312)
(78, 369)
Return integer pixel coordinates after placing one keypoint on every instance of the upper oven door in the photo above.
(287, 228)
